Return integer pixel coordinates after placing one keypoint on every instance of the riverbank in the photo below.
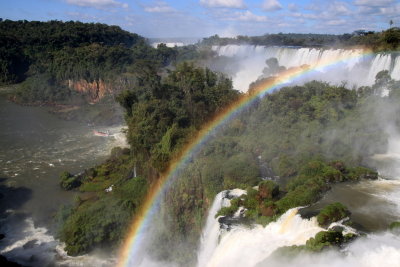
(106, 112)
(35, 147)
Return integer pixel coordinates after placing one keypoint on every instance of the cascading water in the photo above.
(358, 71)
(244, 246)
(209, 239)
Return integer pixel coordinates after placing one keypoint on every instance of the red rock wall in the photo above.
(94, 91)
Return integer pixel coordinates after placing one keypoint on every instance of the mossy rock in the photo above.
(226, 211)
(324, 239)
(69, 181)
(358, 173)
(268, 190)
(229, 211)
(268, 208)
(332, 213)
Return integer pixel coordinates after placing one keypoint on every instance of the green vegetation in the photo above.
(99, 218)
(394, 226)
(387, 40)
(332, 213)
(321, 241)
(103, 223)
(267, 203)
(48, 47)
(74, 64)
(162, 114)
(69, 181)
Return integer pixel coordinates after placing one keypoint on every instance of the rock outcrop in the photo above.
(94, 91)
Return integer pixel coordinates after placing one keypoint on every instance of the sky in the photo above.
(202, 18)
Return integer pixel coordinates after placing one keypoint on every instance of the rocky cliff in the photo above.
(94, 91)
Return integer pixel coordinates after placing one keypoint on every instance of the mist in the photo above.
(246, 64)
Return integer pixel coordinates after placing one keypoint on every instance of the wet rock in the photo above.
(337, 228)
(30, 244)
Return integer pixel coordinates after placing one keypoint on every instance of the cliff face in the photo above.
(94, 91)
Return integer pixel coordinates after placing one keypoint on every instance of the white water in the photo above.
(209, 239)
(358, 71)
(168, 44)
(35, 246)
(35, 148)
(245, 247)
(242, 246)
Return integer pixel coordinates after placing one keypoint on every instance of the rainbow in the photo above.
(132, 246)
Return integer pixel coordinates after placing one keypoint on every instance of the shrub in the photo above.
(69, 181)
(394, 226)
(324, 239)
(358, 173)
(226, 211)
(332, 213)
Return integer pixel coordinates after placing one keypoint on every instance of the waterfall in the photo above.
(209, 239)
(252, 246)
(242, 246)
(210, 236)
(359, 71)
(247, 247)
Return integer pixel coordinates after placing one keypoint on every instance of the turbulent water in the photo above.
(374, 205)
(35, 147)
(250, 62)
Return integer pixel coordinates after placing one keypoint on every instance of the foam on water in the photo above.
(35, 246)
(242, 246)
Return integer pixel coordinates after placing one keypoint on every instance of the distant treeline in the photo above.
(379, 41)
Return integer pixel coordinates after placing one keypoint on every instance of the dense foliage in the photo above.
(332, 213)
(73, 64)
(162, 114)
(267, 202)
(32, 46)
(322, 240)
(100, 218)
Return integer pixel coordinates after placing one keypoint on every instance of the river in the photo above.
(35, 147)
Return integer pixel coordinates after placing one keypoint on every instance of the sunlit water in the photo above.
(35, 147)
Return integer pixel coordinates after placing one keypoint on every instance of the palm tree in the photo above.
(391, 23)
